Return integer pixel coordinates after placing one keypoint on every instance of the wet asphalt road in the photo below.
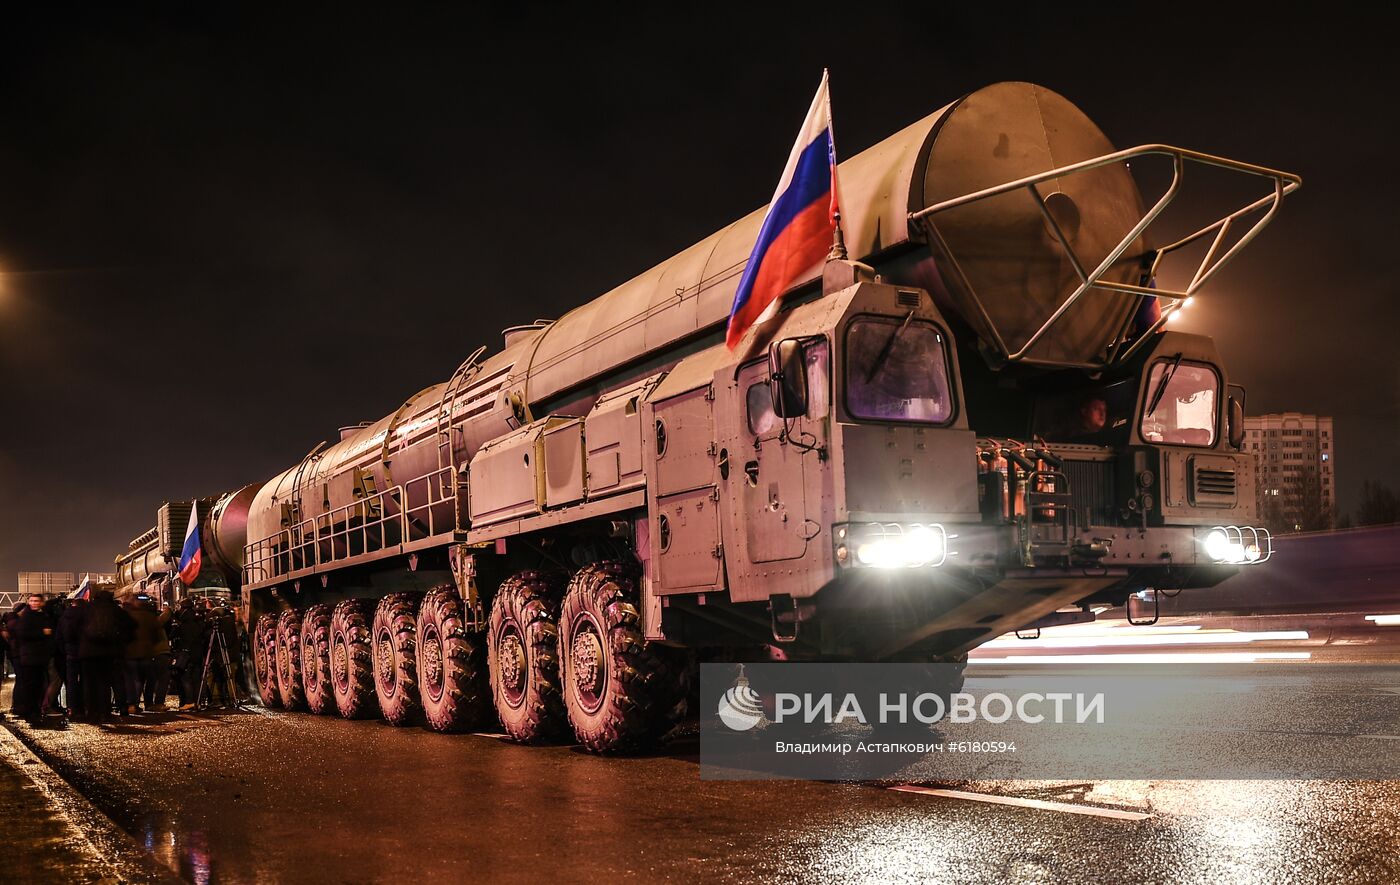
(276, 797)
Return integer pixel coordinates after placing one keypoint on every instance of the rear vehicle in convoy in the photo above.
(981, 425)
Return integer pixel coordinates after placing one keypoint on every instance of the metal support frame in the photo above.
(1156, 610)
(1283, 184)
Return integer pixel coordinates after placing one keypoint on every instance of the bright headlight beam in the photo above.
(882, 553)
(895, 545)
(1217, 545)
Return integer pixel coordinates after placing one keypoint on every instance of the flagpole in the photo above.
(838, 240)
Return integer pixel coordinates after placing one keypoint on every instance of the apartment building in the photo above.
(1296, 454)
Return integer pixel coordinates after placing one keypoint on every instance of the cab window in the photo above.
(758, 396)
(1182, 404)
(1099, 415)
(759, 401)
(817, 357)
(897, 370)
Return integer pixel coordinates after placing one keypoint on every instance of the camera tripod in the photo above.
(229, 688)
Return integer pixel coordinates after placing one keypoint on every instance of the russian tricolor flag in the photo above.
(800, 226)
(189, 554)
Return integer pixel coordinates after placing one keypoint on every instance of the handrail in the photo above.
(469, 369)
(1284, 183)
(335, 536)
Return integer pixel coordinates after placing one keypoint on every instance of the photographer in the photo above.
(223, 622)
(190, 640)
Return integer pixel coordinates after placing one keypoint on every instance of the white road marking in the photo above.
(1019, 802)
(494, 735)
(1121, 639)
(1229, 657)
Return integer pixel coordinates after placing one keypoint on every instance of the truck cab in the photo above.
(837, 479)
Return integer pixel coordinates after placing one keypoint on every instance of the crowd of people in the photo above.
(85, 660)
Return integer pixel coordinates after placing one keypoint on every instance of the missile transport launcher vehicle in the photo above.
(979, 423)
(149, 563)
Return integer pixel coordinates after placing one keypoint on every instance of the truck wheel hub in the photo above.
(512, 664)
(340, 661)
(588, 656)
(310, 673)
(432, 666)
(385, 658)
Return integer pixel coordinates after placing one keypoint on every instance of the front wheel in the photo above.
(621, 694)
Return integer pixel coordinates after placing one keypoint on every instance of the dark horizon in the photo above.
(223, 236)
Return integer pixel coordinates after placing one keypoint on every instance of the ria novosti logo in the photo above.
(741, 708)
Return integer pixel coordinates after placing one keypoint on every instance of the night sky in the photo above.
(224, 233)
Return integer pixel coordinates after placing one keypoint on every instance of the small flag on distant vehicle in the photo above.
(189, 554)
(800, 226)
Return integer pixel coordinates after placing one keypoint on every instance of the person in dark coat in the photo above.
(34, 631)
(4, 651)
(189, 659)
(106, 630)
(69, 633)
(7, 621)
(57, 675)
(157, 688)
(147, 640)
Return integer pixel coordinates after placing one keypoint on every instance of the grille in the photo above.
(171, 521)
(907, 299)
(1214, 486)
(1091, 491)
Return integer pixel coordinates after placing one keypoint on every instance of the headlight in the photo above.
(891, 545)
(1219, 548)
(1238, 545)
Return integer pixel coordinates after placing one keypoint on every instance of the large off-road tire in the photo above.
(452, 683)
(264, 643)
(522, 647)
(622, 695)
(395, 658)
(316, 659)
(289, 686)
(352, 665)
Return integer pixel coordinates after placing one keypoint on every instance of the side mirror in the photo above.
(1236, 427)
(789, 373)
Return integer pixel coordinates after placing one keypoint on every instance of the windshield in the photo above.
(1185, 412)
(1099, 415)
(897, 370)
